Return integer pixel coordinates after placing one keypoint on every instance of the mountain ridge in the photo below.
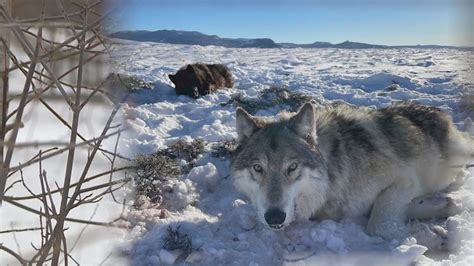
(198, 38)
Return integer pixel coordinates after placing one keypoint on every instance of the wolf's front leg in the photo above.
(388, 215)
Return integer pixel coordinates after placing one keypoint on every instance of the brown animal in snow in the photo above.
(201, 79)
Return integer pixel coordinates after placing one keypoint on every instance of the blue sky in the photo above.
(388, 22)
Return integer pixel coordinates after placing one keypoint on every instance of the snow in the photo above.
(221, 223)
(167, 257)
(206, 175)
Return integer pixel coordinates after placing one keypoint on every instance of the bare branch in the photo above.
(20, 230)
(14, 134)
(14, 254)
(79, 49)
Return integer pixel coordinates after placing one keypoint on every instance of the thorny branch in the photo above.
(82, 48)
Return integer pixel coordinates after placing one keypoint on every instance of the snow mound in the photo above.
(378, 81)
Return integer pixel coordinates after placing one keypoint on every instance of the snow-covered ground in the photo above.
(218, 220)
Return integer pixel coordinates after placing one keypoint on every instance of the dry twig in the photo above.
(83, 46)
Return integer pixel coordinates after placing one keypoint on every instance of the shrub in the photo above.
(224, 149)
(133, 83)
(268, 98)
(175, 240)
(155, 171)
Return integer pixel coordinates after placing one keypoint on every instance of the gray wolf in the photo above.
(340, 162)
(201, 79)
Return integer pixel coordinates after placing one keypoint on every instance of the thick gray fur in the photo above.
(349, 162)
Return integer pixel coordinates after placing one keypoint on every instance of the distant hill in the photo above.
(357, 45)
(193, 37)
(198, 38)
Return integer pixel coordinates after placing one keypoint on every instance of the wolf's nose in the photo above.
(275, 217)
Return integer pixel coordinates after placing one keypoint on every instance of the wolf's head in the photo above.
(279, 167)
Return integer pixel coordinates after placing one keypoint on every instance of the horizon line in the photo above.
(283, 42)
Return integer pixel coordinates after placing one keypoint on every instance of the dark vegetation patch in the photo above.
(176, 240)
(224, 149)
(119, 86)
(133, 83)
(155, 171)
(272, 97)
(187, 151)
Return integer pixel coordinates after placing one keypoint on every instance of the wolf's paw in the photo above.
(432, 206)
(433, 237)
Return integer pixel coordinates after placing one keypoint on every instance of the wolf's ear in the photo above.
(303, 123)
(246, 124)
(171, 76)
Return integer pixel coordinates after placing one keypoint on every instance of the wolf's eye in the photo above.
(258, 168)
(292, 167)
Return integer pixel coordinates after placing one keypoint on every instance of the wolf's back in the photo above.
(418, 121)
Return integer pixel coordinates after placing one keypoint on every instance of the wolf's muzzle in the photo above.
(275, 218)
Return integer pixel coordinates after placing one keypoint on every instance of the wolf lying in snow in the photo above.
(341, 162)
(201, 79)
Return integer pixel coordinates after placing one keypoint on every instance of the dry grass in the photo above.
(134, 83)
(154, 171)
(271, 97)
(176, 240)
(224, 149)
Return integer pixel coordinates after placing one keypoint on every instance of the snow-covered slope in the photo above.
(220, 223)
